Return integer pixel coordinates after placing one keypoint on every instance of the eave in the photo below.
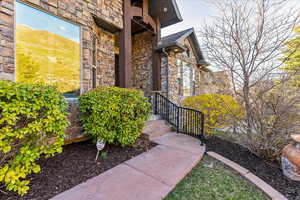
(167, 11)
(175, 40)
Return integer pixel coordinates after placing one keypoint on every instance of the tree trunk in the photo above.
(246, 91)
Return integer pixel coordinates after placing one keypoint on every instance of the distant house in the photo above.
(217, 82)
(182, 65)
(81, 44)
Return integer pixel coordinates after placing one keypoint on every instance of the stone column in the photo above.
(125, 64)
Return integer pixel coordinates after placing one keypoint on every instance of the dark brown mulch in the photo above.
(76, 165)
(270, 173)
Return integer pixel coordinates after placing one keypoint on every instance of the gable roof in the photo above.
(176, 39)
(167, 11)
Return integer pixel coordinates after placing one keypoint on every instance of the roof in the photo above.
(176, 39)
(167, 11)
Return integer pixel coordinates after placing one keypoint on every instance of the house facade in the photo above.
(183, 65)
(81, 44)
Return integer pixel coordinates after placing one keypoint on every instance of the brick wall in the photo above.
(77, 11)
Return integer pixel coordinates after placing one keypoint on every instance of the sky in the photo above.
(194, 14)
(27, 16)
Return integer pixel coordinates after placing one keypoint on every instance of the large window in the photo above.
(187, 72)
(186, 77)
(47, 50)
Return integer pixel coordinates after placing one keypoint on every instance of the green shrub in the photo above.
(114, 115)
(220, 111)
(32, 123)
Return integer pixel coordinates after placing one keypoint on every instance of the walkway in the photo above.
(149, 176)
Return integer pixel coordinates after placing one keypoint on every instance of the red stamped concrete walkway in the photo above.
(149, 176)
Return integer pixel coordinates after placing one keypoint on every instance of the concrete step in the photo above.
(156, 128)
(154, 117)
(181, 141)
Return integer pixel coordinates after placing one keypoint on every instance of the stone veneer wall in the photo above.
(105, 57)
(174, 85)
(164, 74)
(77, 11)
(142, 51)
(7, 40)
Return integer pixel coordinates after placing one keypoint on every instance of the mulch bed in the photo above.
(270, 173)
(75, 165)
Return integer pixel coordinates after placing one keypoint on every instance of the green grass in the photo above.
(211, 180)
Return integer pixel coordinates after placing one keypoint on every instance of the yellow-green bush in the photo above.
(220, 110)
(114, 115)
(32, 123)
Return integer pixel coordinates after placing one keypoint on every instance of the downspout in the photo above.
(167, 68)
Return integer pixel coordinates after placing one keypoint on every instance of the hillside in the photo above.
(48, 58)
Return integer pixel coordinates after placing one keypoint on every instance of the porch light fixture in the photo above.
(165, 9)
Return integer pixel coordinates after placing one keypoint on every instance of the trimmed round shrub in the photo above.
(32, 123)
(220, 111)
(114, 115)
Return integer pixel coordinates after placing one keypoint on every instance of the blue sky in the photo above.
(39, 20)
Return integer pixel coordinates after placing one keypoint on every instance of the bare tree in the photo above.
(247, 39)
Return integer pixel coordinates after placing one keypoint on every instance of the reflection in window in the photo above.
(47, 50)
(194, 81)
(187, 79)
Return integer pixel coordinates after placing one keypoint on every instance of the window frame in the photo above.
(95, 43)
(193, 81)
(189, 68)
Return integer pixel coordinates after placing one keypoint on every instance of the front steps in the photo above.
(156, 128)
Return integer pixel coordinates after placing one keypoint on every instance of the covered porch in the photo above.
(139, 65)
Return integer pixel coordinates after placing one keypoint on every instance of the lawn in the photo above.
(211, 180)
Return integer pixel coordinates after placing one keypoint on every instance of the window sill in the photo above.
(72, 100)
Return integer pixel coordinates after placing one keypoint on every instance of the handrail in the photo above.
(185, 120)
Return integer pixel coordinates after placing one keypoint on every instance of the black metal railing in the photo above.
(184, 120)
